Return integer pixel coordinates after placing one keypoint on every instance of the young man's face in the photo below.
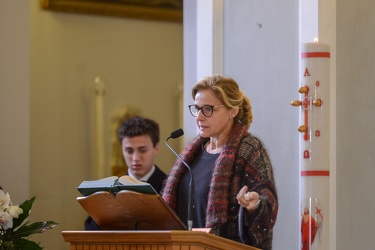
(139, 154)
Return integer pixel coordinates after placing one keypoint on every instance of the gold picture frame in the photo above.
(162, 10)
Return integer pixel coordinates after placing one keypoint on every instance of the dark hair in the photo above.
(136, 126)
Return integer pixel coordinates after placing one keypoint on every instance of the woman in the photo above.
(234, 192)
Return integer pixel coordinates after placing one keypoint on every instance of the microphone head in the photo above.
(177, 133)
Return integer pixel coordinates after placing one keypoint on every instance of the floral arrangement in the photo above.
(15, 232)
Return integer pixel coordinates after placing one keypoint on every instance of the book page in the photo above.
(126, 179)
(115, 184)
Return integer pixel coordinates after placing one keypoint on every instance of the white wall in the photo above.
(263, 57)
(355, 124)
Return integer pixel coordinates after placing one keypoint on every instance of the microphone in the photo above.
(175, 134)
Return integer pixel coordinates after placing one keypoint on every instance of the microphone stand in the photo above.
(175, 135)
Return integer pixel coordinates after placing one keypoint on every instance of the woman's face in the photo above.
(219, 123)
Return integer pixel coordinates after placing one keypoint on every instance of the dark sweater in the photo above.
(202, 172)
(243, 161)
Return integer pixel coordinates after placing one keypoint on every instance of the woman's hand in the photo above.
(249, 200)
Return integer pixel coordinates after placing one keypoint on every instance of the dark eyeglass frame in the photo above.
(197, 108)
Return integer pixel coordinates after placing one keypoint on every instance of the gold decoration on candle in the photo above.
(303, 90)
(296, 103)
(302, 128)
(317, 102)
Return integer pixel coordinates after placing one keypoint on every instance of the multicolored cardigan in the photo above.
(243, 161)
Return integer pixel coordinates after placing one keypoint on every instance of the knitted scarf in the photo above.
(218, 197)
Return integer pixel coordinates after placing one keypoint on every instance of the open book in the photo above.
(115, 184)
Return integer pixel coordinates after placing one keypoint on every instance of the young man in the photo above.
(139, 138)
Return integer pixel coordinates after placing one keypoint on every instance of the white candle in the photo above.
(99, 113)
(314, 142)
(315, 70)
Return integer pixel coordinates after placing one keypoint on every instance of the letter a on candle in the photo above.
(307, 73)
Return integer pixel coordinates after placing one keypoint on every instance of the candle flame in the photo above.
(315, 40)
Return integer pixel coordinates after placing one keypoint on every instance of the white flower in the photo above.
(6, 220)
(4, 200)
(15, 211)
(18, 237)
(7, 211)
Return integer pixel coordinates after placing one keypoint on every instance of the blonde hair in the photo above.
(228, 92)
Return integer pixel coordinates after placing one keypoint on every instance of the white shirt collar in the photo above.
(146, 177)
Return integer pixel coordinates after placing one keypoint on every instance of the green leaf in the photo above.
(25, 244)
(26, 207)
(34, 228)
(18, 237)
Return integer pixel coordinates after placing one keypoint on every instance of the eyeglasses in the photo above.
(207, 110)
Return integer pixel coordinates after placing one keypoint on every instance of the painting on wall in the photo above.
(161, 10)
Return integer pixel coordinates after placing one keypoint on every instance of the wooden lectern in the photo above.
(150, 240)
(129, 210)
(132, 220)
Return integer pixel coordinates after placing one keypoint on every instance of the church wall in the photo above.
(140, 63)
(46, 105)
(15, 98)
(355, 124)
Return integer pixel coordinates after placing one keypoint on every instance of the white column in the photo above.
(209, 37)
(203, 53)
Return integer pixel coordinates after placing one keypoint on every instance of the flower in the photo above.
(15, 232)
